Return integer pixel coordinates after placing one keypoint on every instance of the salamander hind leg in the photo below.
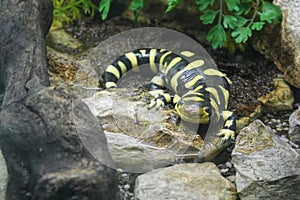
(161, 98)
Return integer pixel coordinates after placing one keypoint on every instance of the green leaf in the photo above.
(103, 8)
(232, 5)
(217, 36)
(203, 4)
(270, 12)
(241, 21)
(229, 21)
(241, 34)
(136, 5)
(172, 4)
(243, 9)
(257, 26)
(208, 16)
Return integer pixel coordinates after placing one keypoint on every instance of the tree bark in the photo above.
(45, 157)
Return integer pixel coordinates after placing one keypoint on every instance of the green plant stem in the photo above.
(254, 14)
(220, 12)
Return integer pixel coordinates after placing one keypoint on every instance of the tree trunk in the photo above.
(45, 157)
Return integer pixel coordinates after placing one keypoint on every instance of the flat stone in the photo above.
(266, 166)
(185, 181)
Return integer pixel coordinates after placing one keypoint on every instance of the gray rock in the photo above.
(45, 158)
(132, 155)
(266, 166)
(294, 130)
(139, 139)
(3, 177)
(282, 44)
(184, 181)
(42, 145)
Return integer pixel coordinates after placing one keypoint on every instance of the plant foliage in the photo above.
(66, 11)
(230, 20)
(136, 6)
(238, 18)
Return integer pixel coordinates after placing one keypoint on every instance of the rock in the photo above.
(48, 157)
(279, 99)
(135, 135)
(61, 40)
(3, 177)
(282, 45)
(139, 139)
(294, 130)
(266, 167)
(132, 155)
(45, 158)
(184, 181)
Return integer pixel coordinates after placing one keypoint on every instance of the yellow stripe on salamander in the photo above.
(152, 61)
(172, 63)
(193, 98)
(162, 58)
(198, 88)
(157, 80)
(226, 95)
(214, 72)
(143, 52)
(214, 92)
(112, 69)
(192, 82)
(187, 53)
(215, 107)
(110, 84)
(122, 67)
(174, 81)
(133, 60)
(194, 64)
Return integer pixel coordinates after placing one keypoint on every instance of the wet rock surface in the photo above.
(266, 166)
(184, 181)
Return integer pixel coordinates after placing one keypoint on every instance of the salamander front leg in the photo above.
(229, 129)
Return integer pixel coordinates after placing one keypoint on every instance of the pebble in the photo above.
(124, 175)
(223, 171)
(278, 122)
(126, 187)
(228, 164)
(231, 178)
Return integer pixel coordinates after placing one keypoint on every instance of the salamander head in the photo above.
(194, 109)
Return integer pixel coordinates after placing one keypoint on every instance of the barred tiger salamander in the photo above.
(195, 100)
